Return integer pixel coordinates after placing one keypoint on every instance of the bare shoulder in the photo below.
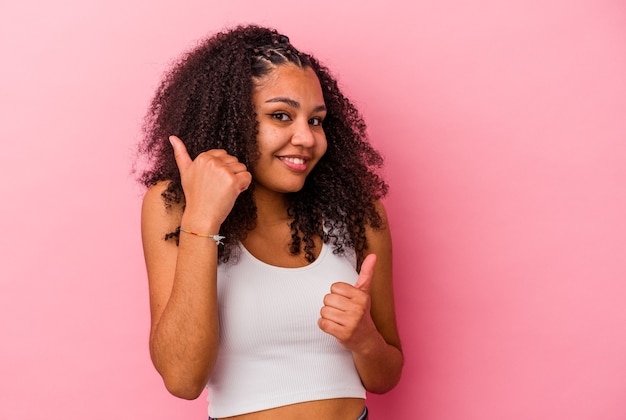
(379, 238)
(153, 199)
(157, 220)
(381, 292)
(155, 214)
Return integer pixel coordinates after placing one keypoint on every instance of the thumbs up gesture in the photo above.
(346, 311)
(211, 182)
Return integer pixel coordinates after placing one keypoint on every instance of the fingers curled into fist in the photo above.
(211, 182)
(346, 311)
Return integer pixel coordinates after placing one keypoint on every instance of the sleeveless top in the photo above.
(271, 351)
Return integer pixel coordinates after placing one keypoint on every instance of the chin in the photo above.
(290, 186)
(293, 190)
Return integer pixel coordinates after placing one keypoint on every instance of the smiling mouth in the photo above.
(298, 164)
(294, 160)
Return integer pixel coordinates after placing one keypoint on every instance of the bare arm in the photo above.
(362, 317)
(183, 285)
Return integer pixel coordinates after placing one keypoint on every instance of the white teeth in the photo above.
(297, 161)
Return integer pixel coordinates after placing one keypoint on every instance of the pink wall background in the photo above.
(504, 128)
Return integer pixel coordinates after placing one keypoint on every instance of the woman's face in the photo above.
(290, 109)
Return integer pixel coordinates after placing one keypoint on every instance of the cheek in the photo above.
(320, 138)
(322, 145)
(266, 139)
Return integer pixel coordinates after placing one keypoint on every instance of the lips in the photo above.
(296, 163)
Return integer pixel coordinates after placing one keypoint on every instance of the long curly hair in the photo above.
(206, 100)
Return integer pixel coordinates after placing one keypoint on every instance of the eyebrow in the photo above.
(294, 104)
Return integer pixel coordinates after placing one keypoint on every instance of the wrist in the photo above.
(199, 223)
(214, 237)
(373, 345)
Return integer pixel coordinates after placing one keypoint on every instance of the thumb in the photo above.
(180, 153)
(364, 282)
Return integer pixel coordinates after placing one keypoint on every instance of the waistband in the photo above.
(364, 415)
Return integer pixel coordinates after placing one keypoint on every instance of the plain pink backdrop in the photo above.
(504, 129)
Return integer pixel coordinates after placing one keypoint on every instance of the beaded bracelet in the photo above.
(216, 238)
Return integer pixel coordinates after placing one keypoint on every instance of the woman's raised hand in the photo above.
(346, 311)
(211, 183)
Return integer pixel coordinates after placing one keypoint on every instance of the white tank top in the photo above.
(271, 351)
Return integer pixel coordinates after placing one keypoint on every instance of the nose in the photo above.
(303, 135)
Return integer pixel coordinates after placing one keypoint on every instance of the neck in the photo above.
(271, 208)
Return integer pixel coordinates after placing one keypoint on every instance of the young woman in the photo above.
(267, 249)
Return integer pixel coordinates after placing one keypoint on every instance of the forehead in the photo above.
(289, 80)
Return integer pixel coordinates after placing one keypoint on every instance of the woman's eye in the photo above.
(316, 121)
(280, 116)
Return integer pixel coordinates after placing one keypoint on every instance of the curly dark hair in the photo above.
(206, 100)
